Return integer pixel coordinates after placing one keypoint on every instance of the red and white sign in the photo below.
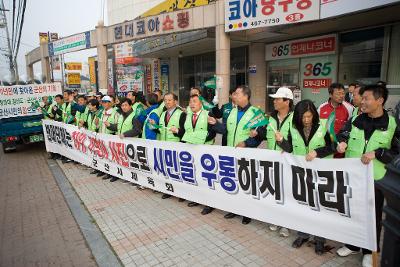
(316, 83)
(250, 14)
(315, 46)
(124, 54)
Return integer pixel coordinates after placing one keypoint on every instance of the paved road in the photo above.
(36, 225)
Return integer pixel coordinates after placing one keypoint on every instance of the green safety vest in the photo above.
(137, 109)
(146, 121)
(160, 109)
(91, 125)
(198, 134)
(111, 119)
(317, 141)
(49, 109)
(357, 145)
(283, 129)
(166, 134)
(66, 111)
(236, 131)
(81, 116)
(125, 125)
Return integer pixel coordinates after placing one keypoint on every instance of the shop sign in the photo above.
(56, 63)
(43, 37)
(69, 44)
(250, 14)
(74, 79)
(110, 77)
(164, 76)
(315, 46)
(124, 54)
(73, 66)
(146, 27)
(92, 71)
(156, 74)
(149, 79)
(129, 78)
(172, 5)
(331, 8)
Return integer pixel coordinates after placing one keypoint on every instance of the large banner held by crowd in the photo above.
(22, 100)
(332, 198)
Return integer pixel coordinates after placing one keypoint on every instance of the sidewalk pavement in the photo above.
(36, 225)
(145, 230)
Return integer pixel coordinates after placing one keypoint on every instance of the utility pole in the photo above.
(9, 55)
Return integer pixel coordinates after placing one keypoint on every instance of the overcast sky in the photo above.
(65, 17)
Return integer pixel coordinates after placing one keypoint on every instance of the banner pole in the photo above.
(375, 257)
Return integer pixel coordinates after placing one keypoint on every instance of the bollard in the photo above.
(390, 186)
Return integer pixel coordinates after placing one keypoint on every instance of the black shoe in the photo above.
(230, 215)
(165, 196)
(100, 174)
(107, 177)
(192, 204)
(181, 200)
(125, 181)
(66, 160)
(113, 179)
(206, 210)
(94, 172)
(246, 220)
(299, 242)
(319, 247)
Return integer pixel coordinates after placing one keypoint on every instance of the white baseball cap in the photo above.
(283, 92)
(106, 99)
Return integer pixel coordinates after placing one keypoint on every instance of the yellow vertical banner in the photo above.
(92, 70)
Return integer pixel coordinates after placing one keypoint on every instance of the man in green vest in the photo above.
(237, 134)
(374, 137)
(56, 110)
(81, 117)
(127, 125)
(109, 115)
(198, 131)
(161, 103)
(138, 106)
(172, 123)
(92, 123)
(356, 101)
(68, 113)
(279, 121)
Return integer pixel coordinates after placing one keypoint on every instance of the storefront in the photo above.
(310, 65)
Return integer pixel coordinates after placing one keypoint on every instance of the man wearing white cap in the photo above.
(279, 121)
(109, 115)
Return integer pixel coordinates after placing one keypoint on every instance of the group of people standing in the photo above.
(361, 129)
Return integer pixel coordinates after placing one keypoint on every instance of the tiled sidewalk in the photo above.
(145, 230)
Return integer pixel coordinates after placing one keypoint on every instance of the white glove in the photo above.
(215, 100)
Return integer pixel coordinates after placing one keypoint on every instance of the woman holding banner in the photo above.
(307, 137)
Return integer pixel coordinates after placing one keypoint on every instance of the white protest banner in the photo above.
(20, 100)
(332, 198)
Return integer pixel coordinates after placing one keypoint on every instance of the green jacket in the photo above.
(236, 132)
(199, 133)
(165, 133)
(283, 129)
(125, 125)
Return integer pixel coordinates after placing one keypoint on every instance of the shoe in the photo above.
(125, 181)
(273, 227)
(192, 204)
(94, 172)
(181, 200)
(230, 215)
(299, 242)
(66, 160)
(100, 174)
(319, 247)
(139, 187)
(246, 220)
(367, 260)
(165, 196)
(107, 177)
(206, 210)
(284, 232)
(345, 251)
(113, 179)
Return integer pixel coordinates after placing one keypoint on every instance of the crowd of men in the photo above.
(362, 128)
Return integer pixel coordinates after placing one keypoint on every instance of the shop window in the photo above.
(360, 57)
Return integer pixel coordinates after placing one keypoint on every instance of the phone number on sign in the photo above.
(264, 22)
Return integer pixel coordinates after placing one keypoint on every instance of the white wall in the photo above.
(121, 10)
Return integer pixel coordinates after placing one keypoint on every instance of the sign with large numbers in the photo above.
(331, 198)
(22, 100)
(70, 44)
(250, 14)
(314, 46)
(317, 74)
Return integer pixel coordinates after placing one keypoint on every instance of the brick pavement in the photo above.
(36, 225)
(145, 230)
